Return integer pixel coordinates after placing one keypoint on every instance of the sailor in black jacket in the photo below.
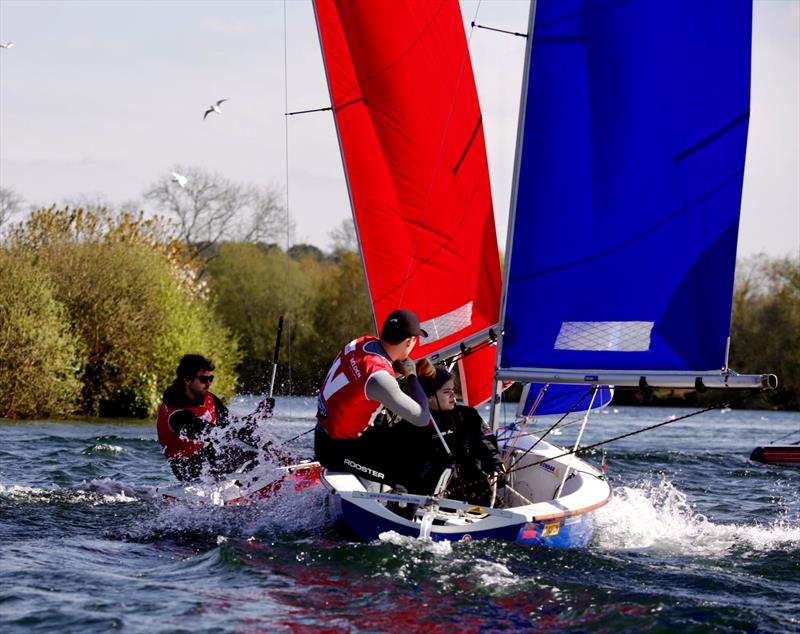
(476, 458)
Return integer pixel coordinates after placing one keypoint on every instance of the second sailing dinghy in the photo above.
(628, 178)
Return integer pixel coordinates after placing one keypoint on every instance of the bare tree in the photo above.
(210, 208)
(10, 203)
(97, 202)
(343, 237)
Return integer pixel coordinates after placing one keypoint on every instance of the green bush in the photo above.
(134, 303)
(342, 310)
(39, 361)
(252, 288)
(765, 334)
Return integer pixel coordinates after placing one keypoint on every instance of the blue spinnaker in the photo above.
(629, 185)
(560, 399)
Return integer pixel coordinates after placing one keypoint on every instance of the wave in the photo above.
(93, 493)
(287, 512)
(102, 448)
(659, 518)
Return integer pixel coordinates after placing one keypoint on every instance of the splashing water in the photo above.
(696, 538)
(441, 548)
(659, 518)
(78, 496)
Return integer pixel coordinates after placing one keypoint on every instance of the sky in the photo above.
(99, 99)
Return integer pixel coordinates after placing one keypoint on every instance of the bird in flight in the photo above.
(214, 108)
(180, 179)
(7, 45)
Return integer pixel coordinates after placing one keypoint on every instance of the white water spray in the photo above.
(658, 517)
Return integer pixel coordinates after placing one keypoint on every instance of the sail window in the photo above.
(604, 336)
(448, 323)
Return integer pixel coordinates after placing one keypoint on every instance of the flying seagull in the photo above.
(180, 179)
(7, 45)
(214, 108)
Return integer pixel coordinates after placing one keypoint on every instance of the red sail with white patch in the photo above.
(412, 143)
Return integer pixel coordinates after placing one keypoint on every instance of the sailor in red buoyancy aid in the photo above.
(361, 395)
(188, 414)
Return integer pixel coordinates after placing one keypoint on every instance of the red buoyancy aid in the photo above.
(172, 444)
(343, 409)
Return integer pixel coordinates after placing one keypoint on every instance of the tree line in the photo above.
(97, 307)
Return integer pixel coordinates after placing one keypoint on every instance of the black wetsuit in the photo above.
(474, 448)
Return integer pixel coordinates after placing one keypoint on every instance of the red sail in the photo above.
(412, 142)
(477, 380)
(476, 371)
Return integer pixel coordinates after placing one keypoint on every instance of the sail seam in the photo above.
(400, 57)
(468, 145)
(733, 178)
(744, 117)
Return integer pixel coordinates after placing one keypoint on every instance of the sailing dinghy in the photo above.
(784, 455)
(622, 233)
(260, 483)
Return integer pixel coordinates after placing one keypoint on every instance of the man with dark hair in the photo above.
(188, 418)
(360, 394)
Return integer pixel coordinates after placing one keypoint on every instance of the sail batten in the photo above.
(628, 186)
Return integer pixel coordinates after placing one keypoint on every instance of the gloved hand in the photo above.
(383, 420)
(266, 407)
(406, 368)
(247, 432)
(499, 476)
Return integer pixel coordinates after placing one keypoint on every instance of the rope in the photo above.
(552, 427)
(286, 442)
(537, 432)
(791, 433)
(638, 431)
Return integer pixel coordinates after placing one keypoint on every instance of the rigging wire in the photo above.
(552, 427)
(496, 30)
(473, 24)
(789, 435)
(721, 405)
(291, 114)
(301, 434)
(289, 346)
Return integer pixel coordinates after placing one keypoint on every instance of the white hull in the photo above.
(529, 513)
(242, 488)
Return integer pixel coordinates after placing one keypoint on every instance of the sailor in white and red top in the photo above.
(361, 397)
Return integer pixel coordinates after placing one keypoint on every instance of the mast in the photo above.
(494, 411)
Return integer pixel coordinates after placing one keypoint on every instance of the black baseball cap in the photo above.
(401, 324)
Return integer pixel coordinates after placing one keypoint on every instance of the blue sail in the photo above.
(540, 399)
(628, 186)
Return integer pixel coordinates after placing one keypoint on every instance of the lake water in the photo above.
(696, 538)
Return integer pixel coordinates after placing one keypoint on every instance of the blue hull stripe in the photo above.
(575, 534)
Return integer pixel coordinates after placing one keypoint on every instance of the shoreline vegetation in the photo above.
(96, 309)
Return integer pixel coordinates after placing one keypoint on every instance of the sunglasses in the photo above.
(205, 379)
